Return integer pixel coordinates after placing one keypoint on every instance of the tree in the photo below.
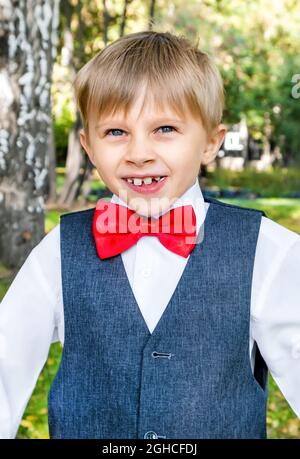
(78, 167)
(28, 38)
(151, 14)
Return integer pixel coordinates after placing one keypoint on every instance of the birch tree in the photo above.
(28, 42)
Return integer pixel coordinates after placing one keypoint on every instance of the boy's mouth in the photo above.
(146, 184)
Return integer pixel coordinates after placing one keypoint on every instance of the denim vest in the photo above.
(190, 378)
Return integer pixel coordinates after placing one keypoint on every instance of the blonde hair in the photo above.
(175, 71)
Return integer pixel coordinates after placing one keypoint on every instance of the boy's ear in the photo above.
(214, 143)
(85, 144)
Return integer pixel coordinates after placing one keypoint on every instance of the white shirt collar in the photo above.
(192, 196)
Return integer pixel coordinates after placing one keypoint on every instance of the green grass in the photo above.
(274, 182)
(281, 421)
(284, 211)
(35, 419)
(52, 219)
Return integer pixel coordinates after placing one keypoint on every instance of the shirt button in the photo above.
(150, 434)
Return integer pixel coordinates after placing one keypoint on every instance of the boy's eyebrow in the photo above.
(153, 121)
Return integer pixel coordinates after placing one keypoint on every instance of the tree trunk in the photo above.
(106, 21)
(124, 17)
(73, 164)
(28, 37)
(151, 21)
(266, 159)
(75, 157)
(51, 194)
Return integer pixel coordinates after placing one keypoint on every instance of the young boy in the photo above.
(168, 334)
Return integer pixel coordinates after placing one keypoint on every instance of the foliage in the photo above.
(62, 125)
(256, 46)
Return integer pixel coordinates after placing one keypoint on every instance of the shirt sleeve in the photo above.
(276, 314)
(29, 314)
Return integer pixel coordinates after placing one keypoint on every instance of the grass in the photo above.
(34, 424)
(274, 182)
(284, 211)
(281, 421)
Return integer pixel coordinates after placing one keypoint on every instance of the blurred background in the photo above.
(44, 172)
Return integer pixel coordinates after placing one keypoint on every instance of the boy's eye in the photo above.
(169, 127)
(113, 130)
(121, 130)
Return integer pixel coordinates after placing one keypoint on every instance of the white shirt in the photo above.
(31, 313)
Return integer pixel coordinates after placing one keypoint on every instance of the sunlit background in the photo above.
(256, 46)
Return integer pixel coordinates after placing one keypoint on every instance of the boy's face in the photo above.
(149, 144)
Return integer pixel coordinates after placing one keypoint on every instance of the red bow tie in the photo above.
(116, 228)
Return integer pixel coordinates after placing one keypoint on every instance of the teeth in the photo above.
(146, 180)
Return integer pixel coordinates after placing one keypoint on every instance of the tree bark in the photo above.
(124, 17)
(75, 157)
(51, 194)
(73, 164)
(151, 21)
(106, 20)
(28, 38)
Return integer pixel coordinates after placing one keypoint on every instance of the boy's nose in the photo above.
(139, 155)
(140, 160)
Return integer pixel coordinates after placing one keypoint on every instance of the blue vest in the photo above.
(190, 378)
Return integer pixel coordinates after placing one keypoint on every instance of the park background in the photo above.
(45, 173)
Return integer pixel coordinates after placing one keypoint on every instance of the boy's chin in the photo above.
(149, 209)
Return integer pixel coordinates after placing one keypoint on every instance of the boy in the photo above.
(168, 335)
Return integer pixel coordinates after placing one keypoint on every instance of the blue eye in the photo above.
(169, 127)
(110, 130)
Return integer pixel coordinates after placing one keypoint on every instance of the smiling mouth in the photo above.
(146, 185)
(138, 181)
